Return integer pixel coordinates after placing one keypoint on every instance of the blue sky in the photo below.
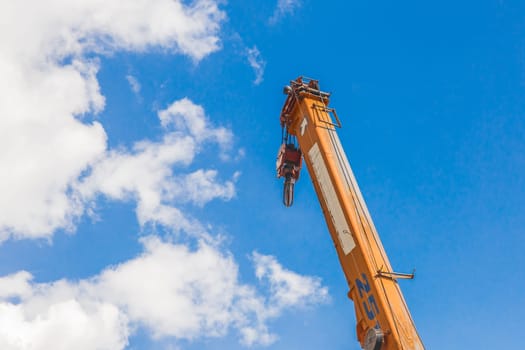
(140, 208)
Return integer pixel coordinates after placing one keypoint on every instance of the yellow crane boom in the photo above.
(309, 132)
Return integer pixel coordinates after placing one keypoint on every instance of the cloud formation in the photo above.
(49, 73)
(257, 63)
(283, 8)
(145, 174)
(170, 289)
(133, 84)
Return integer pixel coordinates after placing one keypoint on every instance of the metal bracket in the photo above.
(334, 121)
(395, 275)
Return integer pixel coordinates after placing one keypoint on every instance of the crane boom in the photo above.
(309, 129)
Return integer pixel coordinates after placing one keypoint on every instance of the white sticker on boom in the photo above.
(330, 198)
(303, 125)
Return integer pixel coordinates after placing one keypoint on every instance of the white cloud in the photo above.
(50, 84)
(202, 186)
(62, 325)
(283, 8)
(133, 84)
(170, 289)
(146, 175)
(257, 63)
(58, 316)
(61, 28)
(185, 116)
(288, 288)
(15, 285)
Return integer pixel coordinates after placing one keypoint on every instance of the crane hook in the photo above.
(289, 161)
(289, 184)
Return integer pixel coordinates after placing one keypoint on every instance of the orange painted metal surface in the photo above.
(383, 319)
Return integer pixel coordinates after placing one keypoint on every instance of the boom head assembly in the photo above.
(289, 157)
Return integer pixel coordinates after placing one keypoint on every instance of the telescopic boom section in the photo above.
(383, 319)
